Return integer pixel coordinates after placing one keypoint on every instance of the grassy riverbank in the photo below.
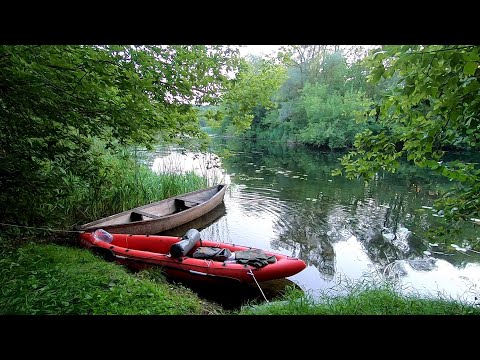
(52, 279)
(378, 300)
(39, 276)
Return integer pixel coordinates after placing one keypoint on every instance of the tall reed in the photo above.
(121, 184)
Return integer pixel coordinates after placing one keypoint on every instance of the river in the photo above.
(284, 199)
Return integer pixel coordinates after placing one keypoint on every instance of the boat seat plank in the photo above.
(188, 202)
(140, 212)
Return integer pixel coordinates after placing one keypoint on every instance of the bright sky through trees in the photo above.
(258, 50)
(264, 50)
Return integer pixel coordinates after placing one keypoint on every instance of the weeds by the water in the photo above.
(122, 185)
(372, 294)
(370, 299)
(53, 279)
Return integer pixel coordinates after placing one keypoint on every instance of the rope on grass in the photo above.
(251, 273)
(40, 228)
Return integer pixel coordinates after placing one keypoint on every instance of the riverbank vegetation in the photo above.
(122, 184)
(51, 279)
(69, 114)
(367, 300)
(318, 90)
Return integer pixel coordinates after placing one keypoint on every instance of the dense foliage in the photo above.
(56, 101)
(433, 107)
(249, 95)
(329, 116)
(312, 101)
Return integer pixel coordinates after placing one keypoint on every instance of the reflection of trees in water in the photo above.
(310, 241)
(341, 208)
(381, 228)
(372, 212)
(313, 230)
(371, 222)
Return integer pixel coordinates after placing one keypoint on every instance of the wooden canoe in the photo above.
(161, 215)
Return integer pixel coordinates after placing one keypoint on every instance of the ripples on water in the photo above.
(286, 201)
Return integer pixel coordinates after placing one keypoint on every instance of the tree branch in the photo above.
(439, 50)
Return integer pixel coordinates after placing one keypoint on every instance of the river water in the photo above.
(284, 199)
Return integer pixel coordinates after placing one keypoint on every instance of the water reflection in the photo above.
(177, 160)
(284, 199)
(440, 278)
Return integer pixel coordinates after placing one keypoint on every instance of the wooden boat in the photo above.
(140, 251)
(161, 215)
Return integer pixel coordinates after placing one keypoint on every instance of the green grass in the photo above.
(379, 300)
(53, 279)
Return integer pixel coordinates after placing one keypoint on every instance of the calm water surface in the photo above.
(285, 200)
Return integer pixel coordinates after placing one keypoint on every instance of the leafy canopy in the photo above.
(317, 102)
(254, 88)
(55, 100)
(434, 106)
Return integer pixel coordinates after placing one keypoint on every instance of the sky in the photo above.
(258, 50)
(262, 50)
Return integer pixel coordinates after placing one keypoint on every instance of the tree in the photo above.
(251, 93)
(309, 60)
(56, 100)
(318, 110)
(330, 116)
(434, 107)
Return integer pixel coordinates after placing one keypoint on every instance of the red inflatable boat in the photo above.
(146, 250)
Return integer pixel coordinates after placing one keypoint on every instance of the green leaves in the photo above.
(470, 68)
(55, 100)
(330, 116)
(434, 106)
(254, 88)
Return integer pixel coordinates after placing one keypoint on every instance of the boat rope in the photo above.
(256, 282)
(41, 228)
(208, 262)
